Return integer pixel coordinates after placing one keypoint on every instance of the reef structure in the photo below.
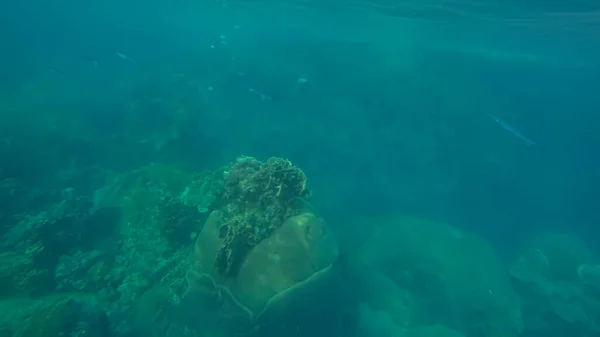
(258, 197)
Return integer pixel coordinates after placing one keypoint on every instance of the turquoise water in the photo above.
(478, 119)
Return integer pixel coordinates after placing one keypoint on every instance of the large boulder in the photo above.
(454, 277)
(263, 256)
(302, 246)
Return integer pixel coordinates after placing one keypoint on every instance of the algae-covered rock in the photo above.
(264, 256)
(178, 220)
(52, 317)
(258, 198)
(160, 197)
(286, 280)
(204, 192)
(300, 247)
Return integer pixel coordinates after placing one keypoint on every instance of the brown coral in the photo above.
(258, 197)
(178, 220)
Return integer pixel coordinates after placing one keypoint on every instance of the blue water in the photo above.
(383, 104)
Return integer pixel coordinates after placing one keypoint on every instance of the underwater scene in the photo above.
(300, 168)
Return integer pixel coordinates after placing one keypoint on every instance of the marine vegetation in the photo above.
(258, 197)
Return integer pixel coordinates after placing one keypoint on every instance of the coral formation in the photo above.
(204, 191)
(177, 219)
(32, 248)
(258, 198)
(54, 315)
(557, 278)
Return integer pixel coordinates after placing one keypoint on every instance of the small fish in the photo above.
(243, 79)
(126, 58)
(57, 72)
(263, 96)
(90, 60)
(514, 131)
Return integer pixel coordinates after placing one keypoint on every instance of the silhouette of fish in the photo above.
(90, 60)
(126, 58)
(245, 81)
(514, 131)
(57, 72)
